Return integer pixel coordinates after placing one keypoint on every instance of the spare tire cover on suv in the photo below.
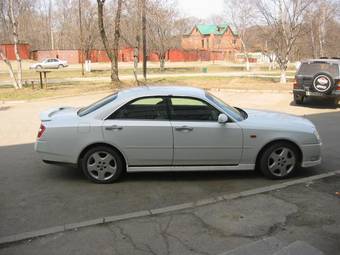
(323, 83)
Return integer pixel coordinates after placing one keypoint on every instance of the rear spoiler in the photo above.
(47, 115)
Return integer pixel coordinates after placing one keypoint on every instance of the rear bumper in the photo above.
(311, 155)
(302, 92)
(42, 148)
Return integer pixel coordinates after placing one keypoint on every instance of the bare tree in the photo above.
(284, 19)
(111, 52)
(162, 37)
(242, 17)
(14, 26)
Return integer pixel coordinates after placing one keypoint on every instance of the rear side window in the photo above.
(150, 108)
(313, 68)
(97, 105)
(190, 109)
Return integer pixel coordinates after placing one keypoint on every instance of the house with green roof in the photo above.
(221, 38)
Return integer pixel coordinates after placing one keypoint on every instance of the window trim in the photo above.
(169, 103)
(139, 98)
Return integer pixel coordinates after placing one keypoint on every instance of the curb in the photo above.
(115, 218)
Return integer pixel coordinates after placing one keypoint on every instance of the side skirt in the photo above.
(245, 167)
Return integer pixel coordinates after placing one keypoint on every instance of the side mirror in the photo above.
(222, 118)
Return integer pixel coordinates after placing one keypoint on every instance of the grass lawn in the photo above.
(78, 88)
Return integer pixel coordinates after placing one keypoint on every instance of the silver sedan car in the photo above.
(174, 129)
(49, 63)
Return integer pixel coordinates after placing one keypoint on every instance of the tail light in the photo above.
(41, 130)
(338, 85)
(295, 85)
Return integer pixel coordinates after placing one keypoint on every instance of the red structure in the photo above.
(8, 50)
(221, 41)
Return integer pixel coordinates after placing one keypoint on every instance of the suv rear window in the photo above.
(317, 67)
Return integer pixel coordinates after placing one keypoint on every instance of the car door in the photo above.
(198, 138)
(142, 130)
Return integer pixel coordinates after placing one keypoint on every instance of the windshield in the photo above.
(95, 106)
(233, 112)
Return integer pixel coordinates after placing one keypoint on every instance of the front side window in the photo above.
(191, 109)
(150, 108)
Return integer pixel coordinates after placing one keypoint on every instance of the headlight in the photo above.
(318, 138)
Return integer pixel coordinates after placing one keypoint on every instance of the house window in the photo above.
(202, 43)
(234, 41)
(208, 43)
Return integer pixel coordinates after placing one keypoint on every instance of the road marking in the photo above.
(157, 211)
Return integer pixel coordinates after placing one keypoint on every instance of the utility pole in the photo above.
(144, 39)
(81, 39)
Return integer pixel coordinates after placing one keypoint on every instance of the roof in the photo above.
(328, 60)
(161, 91)
(214, 29)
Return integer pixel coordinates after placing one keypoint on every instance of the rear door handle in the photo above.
(184, 128)
(114, 127)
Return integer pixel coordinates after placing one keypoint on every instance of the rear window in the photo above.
(314, 68)
(97, 105)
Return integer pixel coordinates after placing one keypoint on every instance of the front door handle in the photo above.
(184, 128)
(114, 127)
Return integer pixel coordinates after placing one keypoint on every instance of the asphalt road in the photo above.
(34, 195)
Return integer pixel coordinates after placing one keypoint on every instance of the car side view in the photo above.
(318, 78)
(169, 128)
(50, 63)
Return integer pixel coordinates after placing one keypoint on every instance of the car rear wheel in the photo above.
(102, 165)
(279, 161)
(60, 66)
(298, 99)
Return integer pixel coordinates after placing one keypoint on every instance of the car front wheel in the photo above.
(102, 165)
(279, 161)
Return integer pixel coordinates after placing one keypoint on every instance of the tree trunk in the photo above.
(81, 38)
(15, 39)
(144, 38)
(114, 74)
(283, 77)
(10, 70)
(245, 52)
(112, 54)
(162, 61)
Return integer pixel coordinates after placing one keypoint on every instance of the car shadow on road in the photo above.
(318, 103)
(21, 161)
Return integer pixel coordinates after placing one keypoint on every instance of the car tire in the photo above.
(298, 100)
(39, 67)
(102, 165)
(279, 161)
(60, 66)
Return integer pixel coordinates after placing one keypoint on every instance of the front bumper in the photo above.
(311, 155)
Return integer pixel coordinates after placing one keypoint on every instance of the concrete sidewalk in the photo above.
(299, 219)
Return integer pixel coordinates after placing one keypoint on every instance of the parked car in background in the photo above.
(50, 63)
(318, 78)
(174, 129)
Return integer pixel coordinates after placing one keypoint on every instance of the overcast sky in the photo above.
(200, 8)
